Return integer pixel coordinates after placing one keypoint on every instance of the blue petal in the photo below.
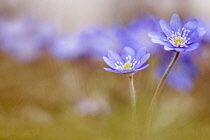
(167, 48)
(119, 71)
(142, 67)
(114, 56)
(157, 35)
(193, 36)
(142, 60)
(191, 25)
(160, 42)
(178, 49)
(140, 53)
(128, 51)
(110, 70)
(192, 46)
(165, 27)
(109, 62)
(176, 23)
(201, 31)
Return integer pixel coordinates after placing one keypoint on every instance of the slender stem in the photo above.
(157, 93)
(133, 95)
(133, 105)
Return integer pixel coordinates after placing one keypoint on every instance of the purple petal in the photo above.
(140, 53)
(191, 25)
(110, 70)
(192, 46)
(142, 67)
(128, 51)
(114, 56)
(165, 27)
(157, 35)
(201, 31)
(167, 48)
(142, 60)
(178, 49)
(176, 23)
(119, 71)
(109, 62)
(193, 36)
(160, 42)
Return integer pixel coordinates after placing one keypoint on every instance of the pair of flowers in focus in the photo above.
(176, 36)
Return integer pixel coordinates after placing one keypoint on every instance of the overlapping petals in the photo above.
(177, 36)
(128, 62)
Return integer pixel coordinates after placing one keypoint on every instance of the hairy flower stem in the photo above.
(157, 94)
(133, 105)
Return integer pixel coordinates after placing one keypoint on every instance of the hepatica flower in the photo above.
(129, 62)
(177, 36)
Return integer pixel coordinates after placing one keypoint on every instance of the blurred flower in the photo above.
(23, 38)
(183, 73)
(92, 107)
(67, 47)
(98, 40)
(137, 33)
(176, 36)
(129, 62)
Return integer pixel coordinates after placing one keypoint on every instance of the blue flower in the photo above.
(98, 40)
(137, 33)
(129, 62)
(67, 47)
(176, 36)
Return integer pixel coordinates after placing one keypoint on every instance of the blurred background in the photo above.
(53, 85)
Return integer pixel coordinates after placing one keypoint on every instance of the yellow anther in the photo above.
(127, 66)
(178, 41)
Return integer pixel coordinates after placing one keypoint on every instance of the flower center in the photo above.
(127, 66)
(178, 40)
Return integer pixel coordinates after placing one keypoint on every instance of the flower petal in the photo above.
(111, 70)
(142, 60)
(179, 49)
(126, 52)
(167, 48)
(201, 31)
(109, 62)
(192, 46)
(142, 67)
(160, 42)
(140, 53)
(193, 36)
(165, 27)
(191, 25)
(157, 35)
(176, 23)
(114, 56)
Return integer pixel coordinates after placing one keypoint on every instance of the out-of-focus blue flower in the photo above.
(176, 36)
(98, 40)
(129, 62)
(136, 34)
(17, 39)
(23, 38)
(183, 73)
(67, 47)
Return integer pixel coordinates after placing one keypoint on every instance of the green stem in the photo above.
(133, 105)
(157, 93)
(133, 95)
